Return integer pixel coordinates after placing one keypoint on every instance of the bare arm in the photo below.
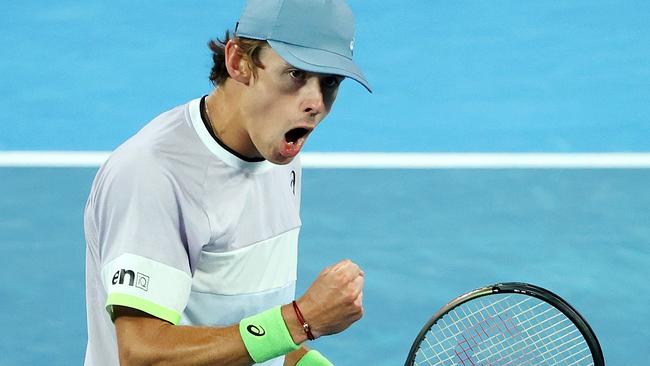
(331, 304)
(146, 340)
(292, 358)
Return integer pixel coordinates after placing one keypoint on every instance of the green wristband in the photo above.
(266, 335)
(314, 358)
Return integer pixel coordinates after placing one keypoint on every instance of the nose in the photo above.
(313, 102)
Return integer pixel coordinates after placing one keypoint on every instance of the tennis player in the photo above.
(192, 224)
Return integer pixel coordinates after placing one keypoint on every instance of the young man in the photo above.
(192, 224)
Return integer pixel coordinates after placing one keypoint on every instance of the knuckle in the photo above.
(358, 302)
(359, 314)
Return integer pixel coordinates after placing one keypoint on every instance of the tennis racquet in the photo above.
(512, 324)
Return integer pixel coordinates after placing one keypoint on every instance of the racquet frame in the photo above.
(515, 288)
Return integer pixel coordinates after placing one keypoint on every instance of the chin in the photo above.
(280, 155)
(280, 160)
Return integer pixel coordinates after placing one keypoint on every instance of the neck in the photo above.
(225, 118)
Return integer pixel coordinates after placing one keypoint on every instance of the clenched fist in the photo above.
(334, 300)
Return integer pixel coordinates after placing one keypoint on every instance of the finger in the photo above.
(341, 265)
(326, 270)
(357, 287)
(358, 282)
(348, 274)
(354, 268)
(359, 300)
(350, 267)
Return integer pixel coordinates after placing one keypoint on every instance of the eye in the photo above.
(297, 74)
(332, 81)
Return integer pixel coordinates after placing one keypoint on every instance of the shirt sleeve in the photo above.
(139, 217)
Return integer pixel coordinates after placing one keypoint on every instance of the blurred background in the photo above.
(498, 76)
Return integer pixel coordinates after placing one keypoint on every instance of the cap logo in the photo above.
(352, 45)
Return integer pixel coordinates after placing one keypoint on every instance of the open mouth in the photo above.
(296, 134)
(294, 141)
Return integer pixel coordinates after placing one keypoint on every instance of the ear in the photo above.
(236, 63)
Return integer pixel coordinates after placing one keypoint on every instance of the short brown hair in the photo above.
(251, 49)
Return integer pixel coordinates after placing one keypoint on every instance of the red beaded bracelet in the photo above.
(303, 323)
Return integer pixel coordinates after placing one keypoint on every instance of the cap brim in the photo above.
(323, 62)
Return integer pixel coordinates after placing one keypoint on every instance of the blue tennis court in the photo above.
(468, 76)
(422, 236)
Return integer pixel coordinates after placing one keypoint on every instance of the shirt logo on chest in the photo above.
(293, 182)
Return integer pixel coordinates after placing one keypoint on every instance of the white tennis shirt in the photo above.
(179, 227)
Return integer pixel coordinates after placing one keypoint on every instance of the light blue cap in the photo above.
(312, 35)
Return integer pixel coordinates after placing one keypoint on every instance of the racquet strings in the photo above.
(504, 330)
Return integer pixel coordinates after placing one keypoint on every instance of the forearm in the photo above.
(150, 341)
(292, 358)
(143, 339)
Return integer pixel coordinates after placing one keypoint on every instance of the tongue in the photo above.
(291, 149)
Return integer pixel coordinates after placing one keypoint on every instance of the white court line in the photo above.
(377, 160)
(57, 159)
(476, 160)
